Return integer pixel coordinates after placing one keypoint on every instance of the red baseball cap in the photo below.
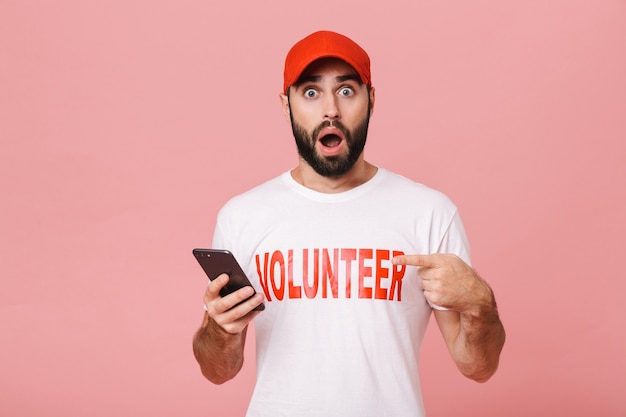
(325, 44)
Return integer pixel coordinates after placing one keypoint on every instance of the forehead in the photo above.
(328, 67)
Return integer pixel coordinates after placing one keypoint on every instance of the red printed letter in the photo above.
(364, 271)
(294, 291)
(348, 255)
(278, 258)
(310, 290)
(263, 274)
(381, 272)
(328, 273)
(396, 279)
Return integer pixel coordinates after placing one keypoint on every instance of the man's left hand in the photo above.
(449, 282)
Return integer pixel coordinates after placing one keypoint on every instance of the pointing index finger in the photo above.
(427, 261)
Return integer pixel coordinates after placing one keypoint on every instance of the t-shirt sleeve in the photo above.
(218, 237)
(454, 241)
(221, 234)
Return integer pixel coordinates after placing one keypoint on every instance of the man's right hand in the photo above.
(219, 343)
(224, 311)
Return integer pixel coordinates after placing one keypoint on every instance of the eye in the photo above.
(310, 93)
(346, 91)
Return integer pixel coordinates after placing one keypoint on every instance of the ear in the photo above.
(284, 100)
(372, 100)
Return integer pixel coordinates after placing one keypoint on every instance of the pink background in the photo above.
(125, 125)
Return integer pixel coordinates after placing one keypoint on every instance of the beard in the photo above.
(331, 166)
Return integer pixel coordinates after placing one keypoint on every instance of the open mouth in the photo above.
(331, 140)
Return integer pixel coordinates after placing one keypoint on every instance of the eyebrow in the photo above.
(318, 78)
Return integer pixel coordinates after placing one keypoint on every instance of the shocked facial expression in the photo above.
(329, 110)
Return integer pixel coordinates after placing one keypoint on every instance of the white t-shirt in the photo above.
(341, 332)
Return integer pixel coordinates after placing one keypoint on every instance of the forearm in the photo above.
(219, 354)
(476, 350)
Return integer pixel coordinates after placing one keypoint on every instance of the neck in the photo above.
(361, 172)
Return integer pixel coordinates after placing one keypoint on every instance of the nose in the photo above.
(331, 109)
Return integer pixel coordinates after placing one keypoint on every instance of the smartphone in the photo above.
(215, 262)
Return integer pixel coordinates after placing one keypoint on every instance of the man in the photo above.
(349, 259)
